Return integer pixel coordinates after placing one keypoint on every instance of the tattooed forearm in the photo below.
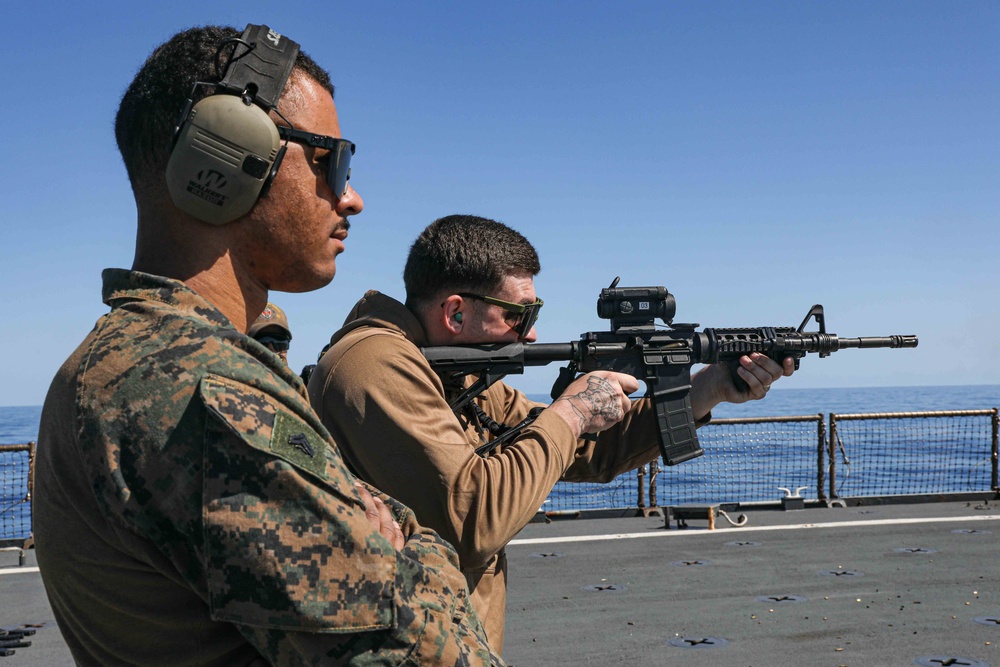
(599, 399)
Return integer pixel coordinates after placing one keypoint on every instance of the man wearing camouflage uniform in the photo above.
(271, 330)
(190, 508)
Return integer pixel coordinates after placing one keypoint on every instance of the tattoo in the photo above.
(599, 398)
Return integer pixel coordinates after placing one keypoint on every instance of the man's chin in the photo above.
(305, 283)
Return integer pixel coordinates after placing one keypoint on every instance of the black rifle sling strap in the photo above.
(509, 434)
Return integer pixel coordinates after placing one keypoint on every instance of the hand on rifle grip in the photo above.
(596, 401)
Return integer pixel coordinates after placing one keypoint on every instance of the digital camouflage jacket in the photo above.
(190, 509)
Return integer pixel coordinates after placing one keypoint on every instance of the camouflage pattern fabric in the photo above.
(209, 470)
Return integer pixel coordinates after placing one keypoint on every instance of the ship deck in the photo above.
(864, 586)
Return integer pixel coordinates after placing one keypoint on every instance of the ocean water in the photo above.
(893, 465)
(19, 425)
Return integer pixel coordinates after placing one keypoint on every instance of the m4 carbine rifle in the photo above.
(662, 358)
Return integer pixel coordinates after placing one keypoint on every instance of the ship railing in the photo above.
(916, 453)
(817, 459)
(17, 475)
(786, 461)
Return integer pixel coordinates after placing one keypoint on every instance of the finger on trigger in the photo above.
(628, 383)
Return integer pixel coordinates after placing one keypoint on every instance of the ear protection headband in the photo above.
(226, 149)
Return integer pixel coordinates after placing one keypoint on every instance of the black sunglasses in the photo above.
(520, 316)
(337, 161)
(275, 343)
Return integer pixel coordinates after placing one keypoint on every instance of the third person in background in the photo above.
(270, 329)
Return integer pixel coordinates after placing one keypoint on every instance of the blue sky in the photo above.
(753, 157)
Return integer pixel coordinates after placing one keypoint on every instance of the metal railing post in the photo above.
(640, 487)
(654, 470)
(820, 456)
(996, 441)
(833, 456)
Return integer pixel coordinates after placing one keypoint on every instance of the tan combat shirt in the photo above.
(389, 413)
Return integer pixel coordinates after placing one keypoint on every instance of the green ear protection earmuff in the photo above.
(226, 148)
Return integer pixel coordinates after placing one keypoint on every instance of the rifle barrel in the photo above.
(826, 343)
(880, 341)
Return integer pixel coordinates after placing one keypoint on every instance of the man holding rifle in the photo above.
(470, 280)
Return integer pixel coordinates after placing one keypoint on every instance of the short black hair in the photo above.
(152, 103)
(465, 253)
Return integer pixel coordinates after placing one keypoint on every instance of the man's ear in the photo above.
(452, 315)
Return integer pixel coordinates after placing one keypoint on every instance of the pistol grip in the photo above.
(566, 376)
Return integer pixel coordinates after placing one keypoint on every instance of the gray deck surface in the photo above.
(865, 587)
(23, 601)
(902, 591)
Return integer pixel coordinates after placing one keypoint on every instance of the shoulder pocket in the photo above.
(262, 423)
(287, 543)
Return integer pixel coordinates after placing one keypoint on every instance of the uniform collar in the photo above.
(122, 286)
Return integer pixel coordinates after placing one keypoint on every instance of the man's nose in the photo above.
(351, 203)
